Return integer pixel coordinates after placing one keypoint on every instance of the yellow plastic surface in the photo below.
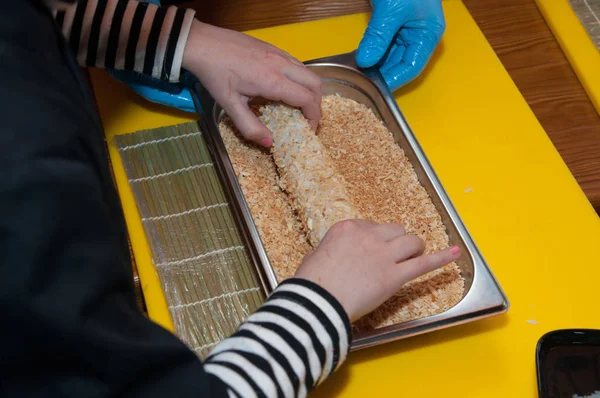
(122, 112)
(576, 43)
(524, 209)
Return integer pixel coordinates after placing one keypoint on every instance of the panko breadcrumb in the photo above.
(381, 184)
(384, 186)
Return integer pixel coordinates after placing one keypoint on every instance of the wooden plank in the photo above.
(520, 37)
(255, 14)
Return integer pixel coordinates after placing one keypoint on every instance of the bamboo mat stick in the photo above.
(210, 284)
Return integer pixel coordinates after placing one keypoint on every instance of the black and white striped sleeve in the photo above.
(127, 35)
(290, 345)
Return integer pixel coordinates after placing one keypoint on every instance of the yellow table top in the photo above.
(530, 219)
(576, 43)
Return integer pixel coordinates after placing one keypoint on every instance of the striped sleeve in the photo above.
(290, 345)
(127, 35)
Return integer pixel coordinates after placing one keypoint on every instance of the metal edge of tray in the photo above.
(483, 299)
(241, 212)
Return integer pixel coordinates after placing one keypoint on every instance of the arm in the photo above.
(66, 296)
(290, 345)
(161, 41)
(127, 35)
(71, 325)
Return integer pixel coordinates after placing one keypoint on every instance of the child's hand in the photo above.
(363, 263)
(235, 67)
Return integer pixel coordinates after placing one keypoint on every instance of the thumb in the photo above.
(247, 123)
(377, 38)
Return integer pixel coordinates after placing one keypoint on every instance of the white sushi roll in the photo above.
(317, 192)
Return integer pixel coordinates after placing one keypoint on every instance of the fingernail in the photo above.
(267, 141)
(455, 250)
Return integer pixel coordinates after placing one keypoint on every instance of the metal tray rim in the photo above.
(471, 307)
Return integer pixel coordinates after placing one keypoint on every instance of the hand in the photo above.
(362, 263)
(235, 67)
(402, 34)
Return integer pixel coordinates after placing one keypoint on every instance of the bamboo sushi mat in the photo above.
(588, 12)
(209, 281)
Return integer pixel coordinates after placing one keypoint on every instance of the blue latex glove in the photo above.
(175, 95)
(401, 37)
(182, 101)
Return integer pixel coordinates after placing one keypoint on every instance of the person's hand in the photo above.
(401, 37)
(362, 263)
(235, 67)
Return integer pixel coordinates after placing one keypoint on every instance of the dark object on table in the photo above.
(568, 363)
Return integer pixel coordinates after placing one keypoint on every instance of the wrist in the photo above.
(195, 47)
(319, 307)
(323, 292)
(321, 296)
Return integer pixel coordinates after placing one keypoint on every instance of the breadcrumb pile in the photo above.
(381, 184)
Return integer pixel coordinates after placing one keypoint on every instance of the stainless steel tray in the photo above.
(483, 295)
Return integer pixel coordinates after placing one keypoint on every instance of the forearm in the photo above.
(127, 35)
(290, 345)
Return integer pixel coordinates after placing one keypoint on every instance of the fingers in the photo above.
(293, 60)
(389, 232)
(351, 226)
(304, 77)
(292, 83)
(378, 37)
(409, 57)
(346, 228)
(293, 94)
(282, 77)
(385, 232)
(418, 266)
(406, 247)
(407, 69)
(269, 48)
(394, 57)
(247, 123)
(363, 223)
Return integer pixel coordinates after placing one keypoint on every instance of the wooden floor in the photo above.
(529, 52)
(522, 41)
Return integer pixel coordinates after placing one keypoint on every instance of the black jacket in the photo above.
(70, 326)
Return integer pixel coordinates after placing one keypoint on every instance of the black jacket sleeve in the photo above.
(70, 325)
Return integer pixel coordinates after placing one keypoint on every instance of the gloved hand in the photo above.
(401, 37)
